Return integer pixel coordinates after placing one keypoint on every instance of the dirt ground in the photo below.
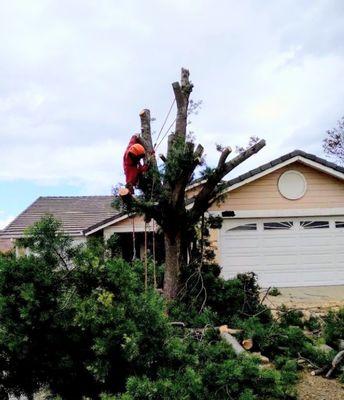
(319, 388)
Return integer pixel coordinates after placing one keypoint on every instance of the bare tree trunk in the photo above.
(173, 262)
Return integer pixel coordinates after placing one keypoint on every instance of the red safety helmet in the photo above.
(137, 149)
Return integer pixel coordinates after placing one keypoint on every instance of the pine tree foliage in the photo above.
(92, 330)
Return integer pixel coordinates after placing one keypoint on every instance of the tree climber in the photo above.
(133, 168)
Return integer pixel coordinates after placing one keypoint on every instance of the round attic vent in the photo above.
(292, 185)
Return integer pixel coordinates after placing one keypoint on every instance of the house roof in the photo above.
(75, 212)
(296, 155)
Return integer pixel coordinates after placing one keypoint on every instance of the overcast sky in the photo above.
(75, 74)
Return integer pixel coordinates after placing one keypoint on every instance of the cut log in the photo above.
(335, 363)
(232, 341)
(234, 331)
(319, 371)
(124, 192)
(224, 328)
(247, 344)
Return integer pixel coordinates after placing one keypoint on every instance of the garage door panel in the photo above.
(278, 243)
(312, 241)
(284, 257)
(278, 263)
(244, 262)
(234, 242)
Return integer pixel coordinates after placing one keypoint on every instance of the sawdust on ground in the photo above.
(319, 388)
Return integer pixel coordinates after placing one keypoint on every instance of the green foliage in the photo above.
(290, 316)
(318, 357)
(206, 370)
(225, 300)
(274, 339)
(113, 246)
(313, 323)
(28, 299)
(341, 377)
(334, 327)
(180, 158)
(274, 292)
(83, 325)
(47, 239)
(78, 330)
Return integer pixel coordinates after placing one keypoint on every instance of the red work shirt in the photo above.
(131, 164)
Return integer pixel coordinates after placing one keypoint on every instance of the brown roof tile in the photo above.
(76, 213)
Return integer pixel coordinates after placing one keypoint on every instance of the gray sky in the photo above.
(75, 74)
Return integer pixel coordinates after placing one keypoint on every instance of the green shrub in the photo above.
(274, 291)
(111, 336)
(318, 357)
(213, 372)
(334, 327)
(225, 300)
(289, 316)
(273, 339)
(313, 323)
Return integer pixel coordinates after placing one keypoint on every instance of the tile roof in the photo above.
(281, 159)
(75, 212)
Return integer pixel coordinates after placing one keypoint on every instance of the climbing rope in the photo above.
(165, 134)
(145, 258)
(134, 239)
(154, 261)
(163, 125)
(202, 240)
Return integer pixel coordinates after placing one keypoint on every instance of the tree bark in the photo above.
(231, 340)
(173, 261)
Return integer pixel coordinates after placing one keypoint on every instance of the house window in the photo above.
(285, 225)
(339, 224)
(244, 227)
(314, 224)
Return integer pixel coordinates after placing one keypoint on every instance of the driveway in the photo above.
(317, 299)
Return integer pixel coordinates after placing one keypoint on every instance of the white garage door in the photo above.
(285, 251)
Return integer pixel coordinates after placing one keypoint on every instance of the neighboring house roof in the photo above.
(76, 213)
